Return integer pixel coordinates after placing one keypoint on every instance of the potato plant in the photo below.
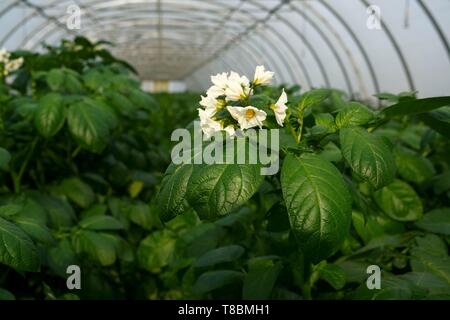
(86, 179)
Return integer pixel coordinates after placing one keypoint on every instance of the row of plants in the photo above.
(83, 158)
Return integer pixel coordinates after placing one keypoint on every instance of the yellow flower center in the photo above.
(249, 114)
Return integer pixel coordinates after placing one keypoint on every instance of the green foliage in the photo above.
(86, 179)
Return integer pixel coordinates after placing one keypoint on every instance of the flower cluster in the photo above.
(227, 107)
(8, 64)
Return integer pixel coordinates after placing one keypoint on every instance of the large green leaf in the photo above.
(399, 201)
(50, 115)
(314, 97)
(97, 246)
(368, 155)
(60, 257)
(6, 295)
(372, 226)
(171, 197)
(354, 114)
(217, 189)
(334, 275)
(412, 167)
(78, 191)
(37, 231)
(438, 120)
(16, 248)
(260, 278)
(101, 222)
(437, 220)
(411, 107)
(213, 280)
(219, 255)
(431, 255)
(156, 250)
(318, 204)
(55, 79)
(89, 125)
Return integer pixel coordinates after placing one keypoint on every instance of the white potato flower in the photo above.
(262, 77)
(14, 64)
(215, 92)
(208, 125)
(4, 56)
(220, 80)
(279, 108)
(237, 87)
(247, 117)
(209, 103)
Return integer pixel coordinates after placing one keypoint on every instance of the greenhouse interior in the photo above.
(224, 150)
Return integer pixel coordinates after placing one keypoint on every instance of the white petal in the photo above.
(236, 112)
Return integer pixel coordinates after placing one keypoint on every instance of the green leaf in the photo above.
(215, 190)
(437, 220)
(412, 167)
(418, 106)
(354, 114)
(219, 255)
(60, 213)
(334, 275)
(97, 246)
(6, 295)
(101, 222)
(171, 197)
(399, 201)
(88, 125)
(34, 229)
(11, 209)
(156, 250)
(50, 115)
(16, 248)
(326, 120)
(314, 97)
(60, 257)
(78, 191)
(213, 280)
(430, 255)
(142, 100)
(260, 278)
(55, 79)
(368, 155)
(318, 204)
(141, 215)
(372, 226)
(439, 121)
(5, 157)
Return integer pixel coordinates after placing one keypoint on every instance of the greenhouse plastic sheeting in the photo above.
(358, 46)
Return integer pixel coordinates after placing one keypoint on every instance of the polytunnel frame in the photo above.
(39, 10)
(110, 17)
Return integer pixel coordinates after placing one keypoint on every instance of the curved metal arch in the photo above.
(330, 46)
(387, 31)
(345, 48)
(230, 7)
(357, 41)
(310, 48)
(436, 26)
(46, 34)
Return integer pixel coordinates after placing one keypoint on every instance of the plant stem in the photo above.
(18, 178)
